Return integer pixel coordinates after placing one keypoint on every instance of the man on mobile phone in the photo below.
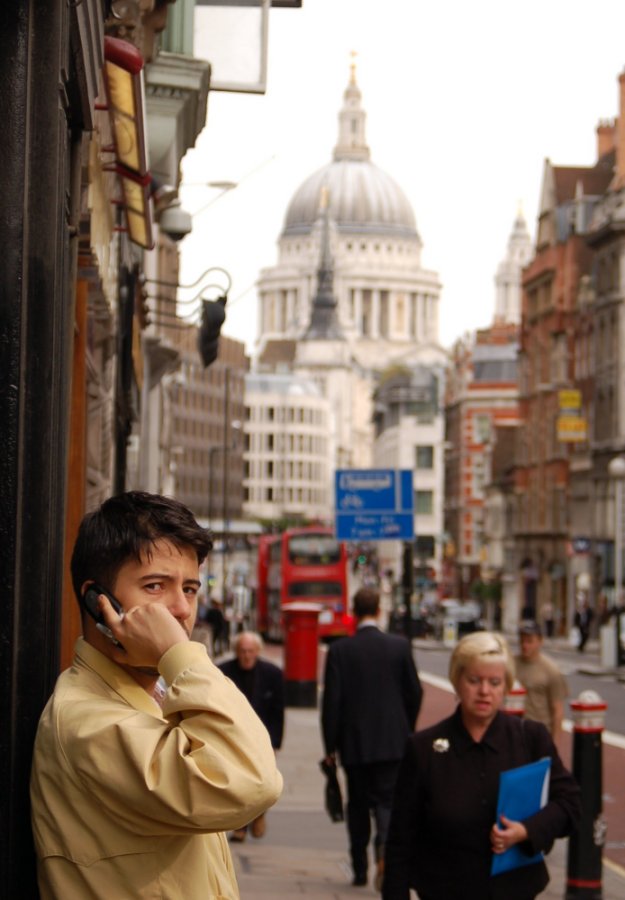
(145, 753)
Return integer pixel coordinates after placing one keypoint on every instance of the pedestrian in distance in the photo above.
(582, 621)
(371, 700)
(263, 684)
(219, 625)
(548, 617)
(545, 685)
(444, 829)
(145, 753)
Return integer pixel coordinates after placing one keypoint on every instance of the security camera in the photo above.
(175, 222)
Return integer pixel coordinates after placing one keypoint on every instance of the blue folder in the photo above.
(522, 792)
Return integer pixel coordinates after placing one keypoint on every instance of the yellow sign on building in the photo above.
(572, 429)
(570, 399)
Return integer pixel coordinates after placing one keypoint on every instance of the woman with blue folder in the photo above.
(448, 836)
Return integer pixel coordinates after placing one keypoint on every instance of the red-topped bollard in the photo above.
(514, 703)
(584, 865)
(301, 630)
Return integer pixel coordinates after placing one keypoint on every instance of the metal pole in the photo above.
(224, 538)
(618, 540)
(617, 468)
(584, 862)
(211, 453)
(407, 586)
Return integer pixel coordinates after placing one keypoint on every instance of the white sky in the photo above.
(464, 101)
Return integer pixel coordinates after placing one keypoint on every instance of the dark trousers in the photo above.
(370, 789)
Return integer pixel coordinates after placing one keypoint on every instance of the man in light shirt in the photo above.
(145, 753)
(545, 685)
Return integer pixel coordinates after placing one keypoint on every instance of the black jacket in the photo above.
(445, 805)
(264, 688)
(371, 698)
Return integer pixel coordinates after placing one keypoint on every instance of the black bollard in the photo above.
(584, 864)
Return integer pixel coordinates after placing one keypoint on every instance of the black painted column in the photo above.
(36, 321)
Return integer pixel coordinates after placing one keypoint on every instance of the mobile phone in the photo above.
(90, 601)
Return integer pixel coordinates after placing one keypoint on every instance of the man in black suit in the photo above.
(371, 699)
(263, 685)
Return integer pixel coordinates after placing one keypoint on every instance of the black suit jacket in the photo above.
(371, 698)
(266, 694)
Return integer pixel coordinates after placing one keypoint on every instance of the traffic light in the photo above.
(213, 316)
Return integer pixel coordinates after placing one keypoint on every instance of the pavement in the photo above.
(304, 853)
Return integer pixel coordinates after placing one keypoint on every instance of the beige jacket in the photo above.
(130, 800)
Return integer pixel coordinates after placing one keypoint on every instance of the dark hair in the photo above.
(530, 626)
(366, 603)
(128, 526)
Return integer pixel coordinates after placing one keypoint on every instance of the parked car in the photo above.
(420, 626)
(464, 615)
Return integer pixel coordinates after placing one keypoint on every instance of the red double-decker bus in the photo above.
(262, 570)
(303, 564)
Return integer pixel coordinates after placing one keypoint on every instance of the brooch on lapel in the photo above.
(441, 745)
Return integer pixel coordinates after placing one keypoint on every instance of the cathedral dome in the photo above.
(362, 198)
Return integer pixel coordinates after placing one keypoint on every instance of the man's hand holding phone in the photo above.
(145, 632)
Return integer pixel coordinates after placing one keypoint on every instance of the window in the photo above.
(424, 456)
(479, 476)
(423, 502)
(482, 429)
(313, 549)
(315, 589)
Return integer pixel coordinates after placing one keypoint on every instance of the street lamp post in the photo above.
(224, 509)
(211, 453)
(616, 469)
(227, 446)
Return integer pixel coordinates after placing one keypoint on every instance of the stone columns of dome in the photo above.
(291, 297)
(412, 315)
(302, 311)
(375, 313)
(421, 317)
(416, 299)
(398, 327)
(279, 326)
(429, 316)
(358, 310)
(262, 324)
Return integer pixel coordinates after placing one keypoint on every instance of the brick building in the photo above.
(553, 288)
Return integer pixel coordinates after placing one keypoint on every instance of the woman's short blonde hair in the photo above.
(482, 646)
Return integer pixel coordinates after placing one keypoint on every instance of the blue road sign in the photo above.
(374, 505)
